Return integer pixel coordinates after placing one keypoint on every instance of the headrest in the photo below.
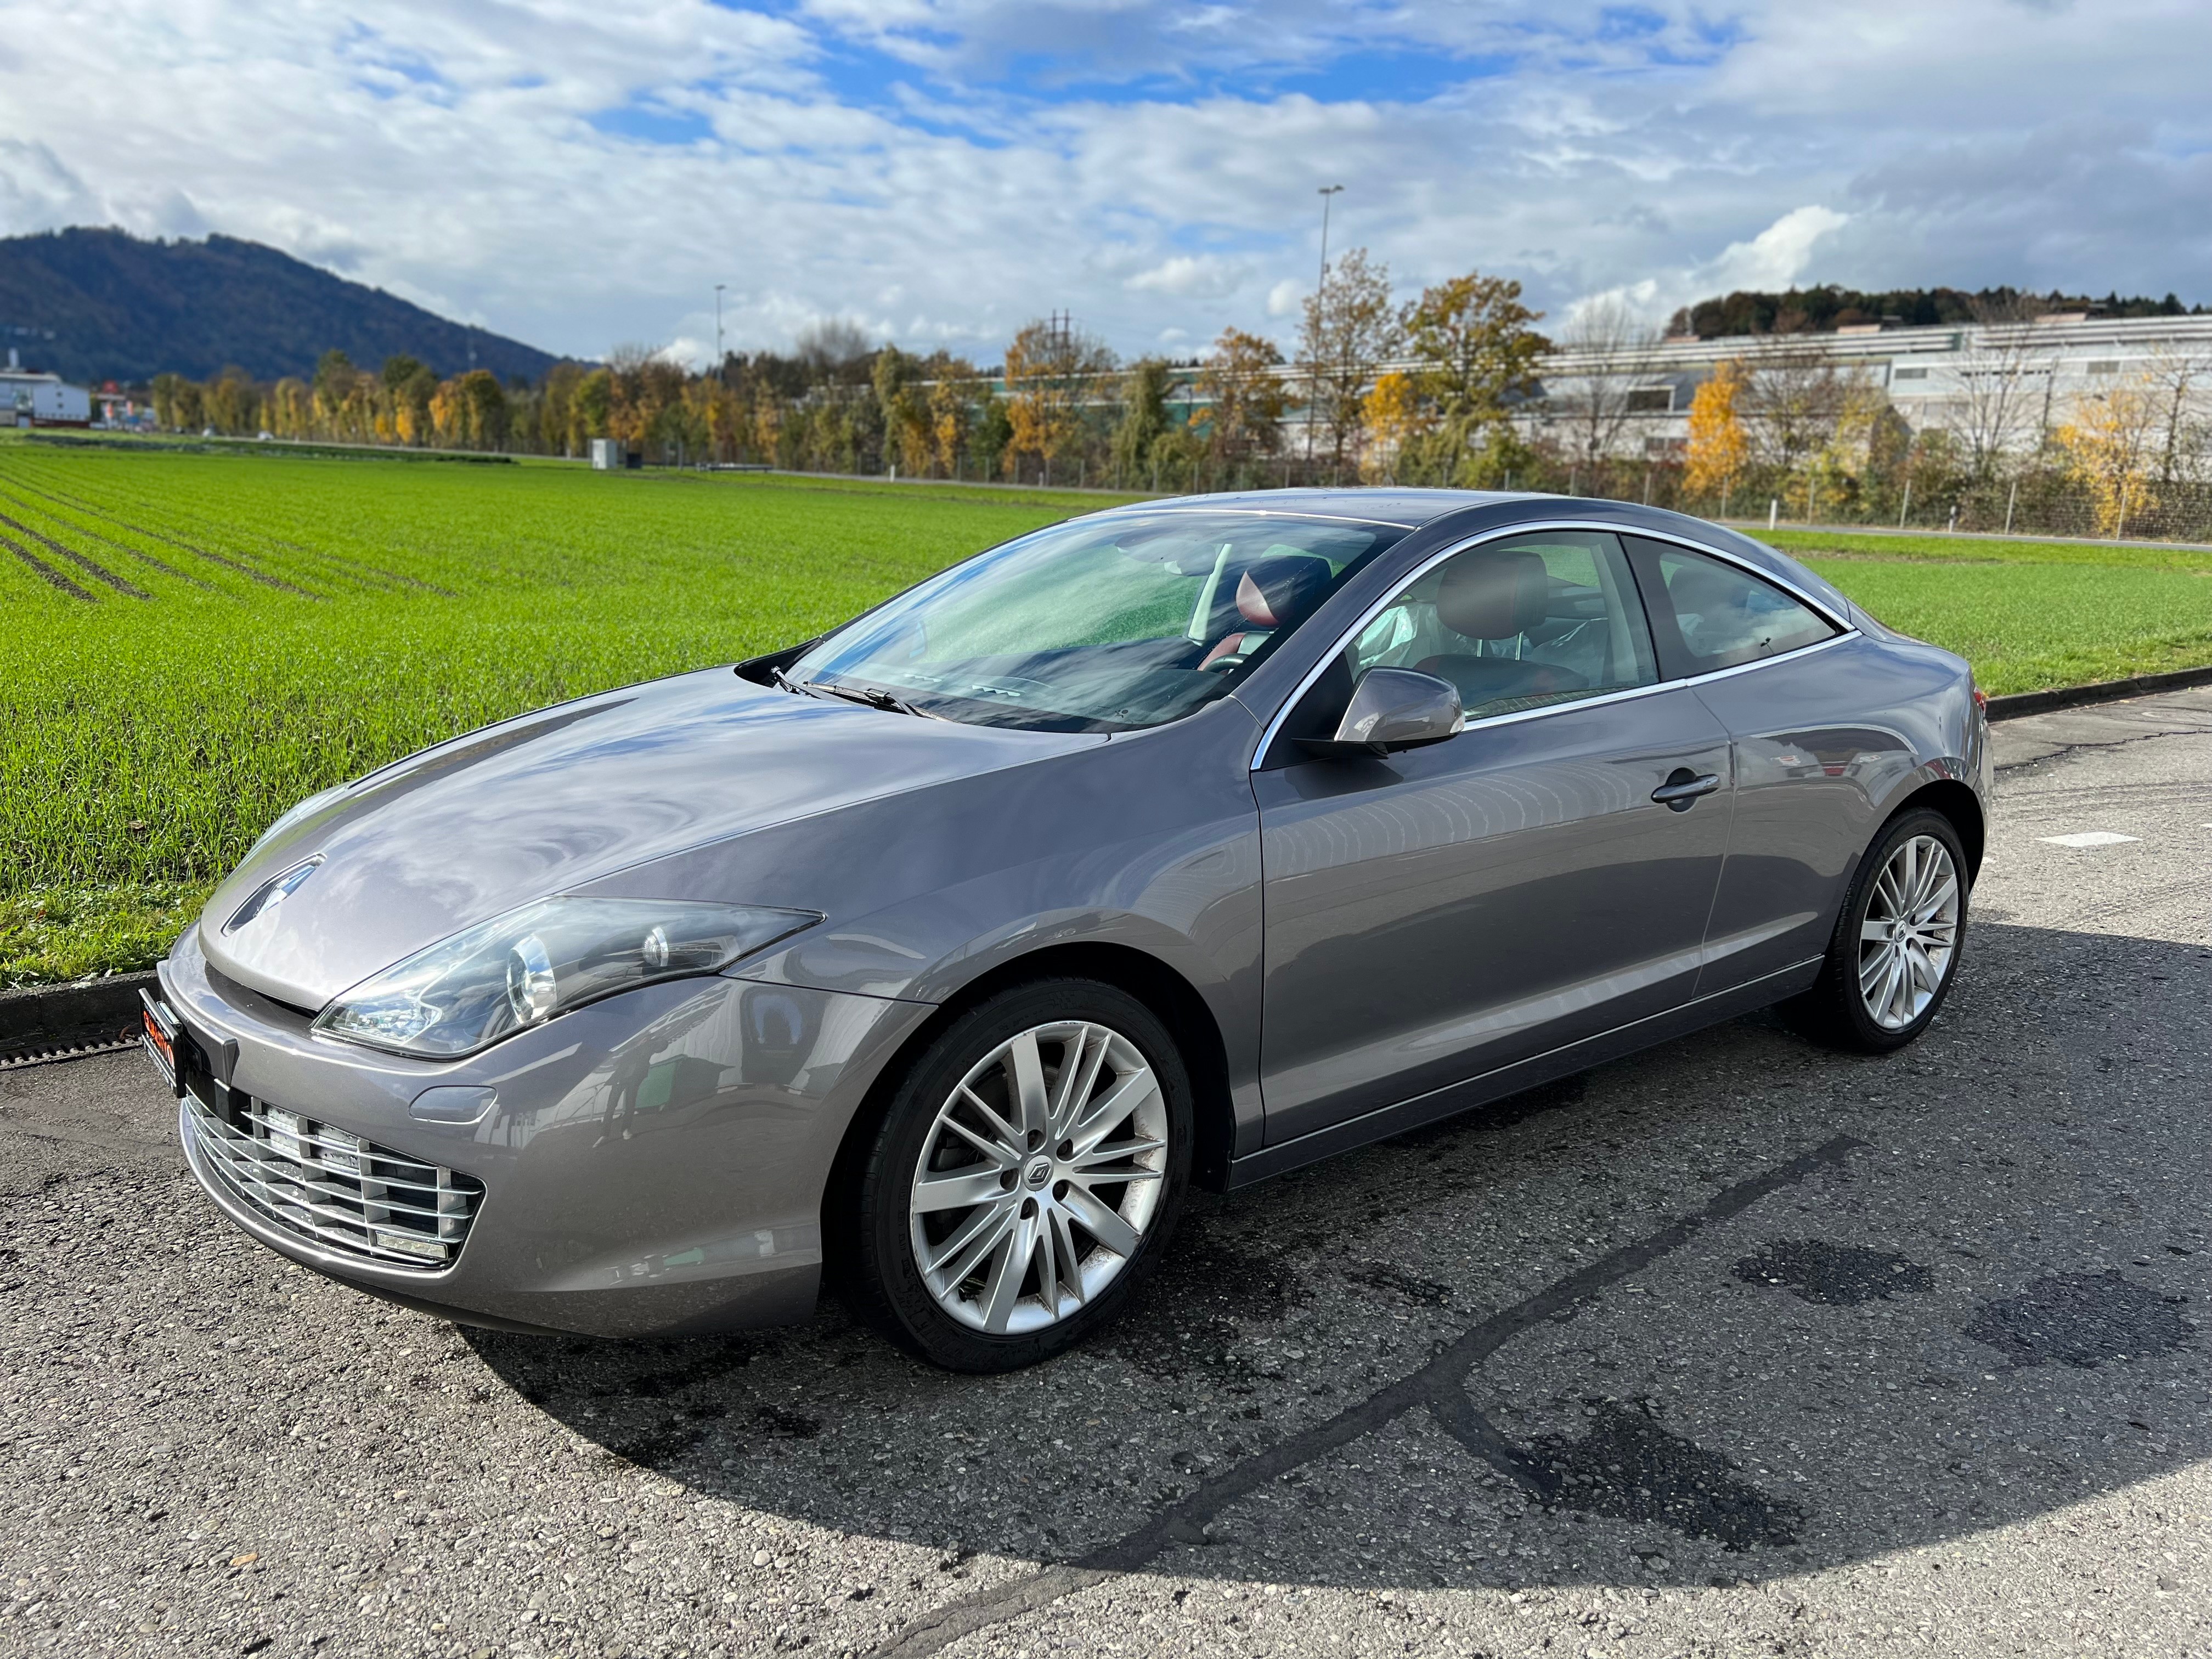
(1493, 595)
(1698, 587)
(1278, 591)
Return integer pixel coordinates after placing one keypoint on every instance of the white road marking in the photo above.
(2089, 838)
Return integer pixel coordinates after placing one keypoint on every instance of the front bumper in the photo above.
(651, 1164)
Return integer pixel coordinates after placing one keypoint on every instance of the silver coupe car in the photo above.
(1193, 841)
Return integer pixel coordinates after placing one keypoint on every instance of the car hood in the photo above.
(547, 802)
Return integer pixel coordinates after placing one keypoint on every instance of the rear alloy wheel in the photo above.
(1910, 932)
(1026, 1175)
(1896, 945)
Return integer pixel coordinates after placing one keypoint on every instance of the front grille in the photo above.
(332, 1189)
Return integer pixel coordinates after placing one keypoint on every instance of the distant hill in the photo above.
(1824, 309)
(100, 305)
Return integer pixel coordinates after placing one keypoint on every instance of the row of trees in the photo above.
(1060, 407)
(1442, 389)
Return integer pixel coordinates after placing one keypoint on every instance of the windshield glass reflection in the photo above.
(1100, 625)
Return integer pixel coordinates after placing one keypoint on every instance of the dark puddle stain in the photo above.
(1837, 1275)
(1187, 1317)
(1631, 1469)
(1380, 1275)
(787, 1424)
(2082, 1319)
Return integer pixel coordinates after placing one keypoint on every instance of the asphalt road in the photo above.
(1735, 1347)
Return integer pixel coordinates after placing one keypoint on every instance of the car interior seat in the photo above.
(1489, 599)
(1709, 609)
(1276, 591)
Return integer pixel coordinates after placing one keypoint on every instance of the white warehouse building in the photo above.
(37, 399)
(1929, 374)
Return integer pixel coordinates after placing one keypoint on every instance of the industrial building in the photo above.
(1940, 378)
(28, 397)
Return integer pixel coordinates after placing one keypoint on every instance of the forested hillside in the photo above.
(1826, 308)
(99, 305)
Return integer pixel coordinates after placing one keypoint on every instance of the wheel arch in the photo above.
(1958, 803)
(1172, 998)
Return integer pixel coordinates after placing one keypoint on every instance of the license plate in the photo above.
(159, 1038)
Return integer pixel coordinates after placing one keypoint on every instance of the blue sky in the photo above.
(940, 170)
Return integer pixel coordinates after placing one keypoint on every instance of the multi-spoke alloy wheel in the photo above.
(1911, 929)
(1024, 1176)
(1894, 952)
(1039, 1177)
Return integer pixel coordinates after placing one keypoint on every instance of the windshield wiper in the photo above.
(870, 696)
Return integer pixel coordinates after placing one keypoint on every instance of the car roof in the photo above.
(1408, 508)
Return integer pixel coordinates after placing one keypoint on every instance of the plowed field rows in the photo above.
(191, 642)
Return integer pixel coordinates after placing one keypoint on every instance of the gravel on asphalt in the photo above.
(1734, 1346)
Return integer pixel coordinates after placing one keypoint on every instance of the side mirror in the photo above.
(1393, 708)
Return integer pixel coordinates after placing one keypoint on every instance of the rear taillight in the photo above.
(1981, 700)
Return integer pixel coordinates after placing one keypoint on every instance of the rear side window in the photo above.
(1708, 613)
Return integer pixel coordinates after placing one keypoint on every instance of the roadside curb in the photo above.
(2077, 697)
(47, 1019)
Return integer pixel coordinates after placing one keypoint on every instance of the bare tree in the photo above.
(1997, 376)
(1793, 402)
(2180, 380)
(834, 344)
(1351, 327)
(1603, 351)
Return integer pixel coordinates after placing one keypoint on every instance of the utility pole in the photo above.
(718, 330)
(1320, 288)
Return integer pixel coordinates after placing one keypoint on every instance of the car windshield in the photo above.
(1107, 624)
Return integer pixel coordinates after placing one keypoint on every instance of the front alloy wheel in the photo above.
(1038, 1180)
(1024, 1176)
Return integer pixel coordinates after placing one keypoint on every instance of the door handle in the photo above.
(1683, 787)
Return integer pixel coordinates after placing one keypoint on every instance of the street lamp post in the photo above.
(1325, 193)
(1321, 285)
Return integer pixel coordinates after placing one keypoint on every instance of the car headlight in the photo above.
(521, 969)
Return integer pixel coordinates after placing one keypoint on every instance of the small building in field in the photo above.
(31, 398)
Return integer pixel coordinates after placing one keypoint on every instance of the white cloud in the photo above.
(37, 192)
(580, 175)
(1187, 275)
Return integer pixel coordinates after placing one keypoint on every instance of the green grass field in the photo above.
(194, 641)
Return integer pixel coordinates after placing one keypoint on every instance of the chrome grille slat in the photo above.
(292, 1179)
(339, 1210)
(258, 1112)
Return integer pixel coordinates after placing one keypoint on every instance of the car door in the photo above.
(1805, 753)
(1441, 912)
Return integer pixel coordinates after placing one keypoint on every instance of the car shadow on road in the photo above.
(1732, 1309)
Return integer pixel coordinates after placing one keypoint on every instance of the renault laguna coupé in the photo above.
(1191, 841)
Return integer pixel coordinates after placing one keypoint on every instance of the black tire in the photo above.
(887, 1283)
(1835, 1012)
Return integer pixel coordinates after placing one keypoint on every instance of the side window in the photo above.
(1520, 624)
(1708, 613)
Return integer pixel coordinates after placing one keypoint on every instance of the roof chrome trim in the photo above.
(1845, 629)
(1251, 513)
